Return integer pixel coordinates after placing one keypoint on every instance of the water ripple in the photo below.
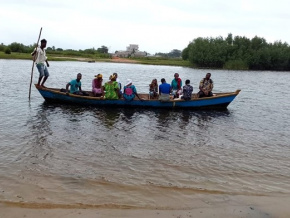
(76, 155)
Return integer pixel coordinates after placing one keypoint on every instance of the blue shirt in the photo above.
(165, 88)
(75, 86)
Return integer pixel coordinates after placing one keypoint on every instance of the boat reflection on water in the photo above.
(110, 117)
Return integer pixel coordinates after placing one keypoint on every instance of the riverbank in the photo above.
(230, 206)
(91, 59)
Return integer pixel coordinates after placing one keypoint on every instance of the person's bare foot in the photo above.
(43, 86)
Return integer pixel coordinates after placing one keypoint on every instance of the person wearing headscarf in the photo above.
(130, 91)
(119, 83)
(111, 88)
(97, 88)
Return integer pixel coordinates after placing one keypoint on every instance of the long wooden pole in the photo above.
(33, 63)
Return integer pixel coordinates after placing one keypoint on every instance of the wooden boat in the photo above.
(219, 101)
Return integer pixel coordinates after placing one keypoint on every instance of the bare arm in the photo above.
(200, 86)
(211, 87)
(67, 85)
(138, 96)
(33, 53)
(135, 92)
(47, 63)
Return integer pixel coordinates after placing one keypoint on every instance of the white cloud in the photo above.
(156, 25)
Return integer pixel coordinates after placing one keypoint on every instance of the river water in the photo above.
(133, 158)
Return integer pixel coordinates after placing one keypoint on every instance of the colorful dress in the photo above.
(129, 92)
(110, 88)
(206, 84)
(97, 86)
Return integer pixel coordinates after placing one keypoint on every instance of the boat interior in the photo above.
(143, 96)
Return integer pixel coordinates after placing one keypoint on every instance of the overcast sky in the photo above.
(155, 25)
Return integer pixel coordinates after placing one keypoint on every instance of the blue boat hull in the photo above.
(218, 102)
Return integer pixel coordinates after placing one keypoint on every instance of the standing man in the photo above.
(206, 86)
(176, 85)
(40, 58)
(164, 91)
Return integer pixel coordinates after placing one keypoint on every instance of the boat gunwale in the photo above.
(217, 95)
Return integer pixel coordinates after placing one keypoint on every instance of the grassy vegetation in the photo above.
(51, 57)
(163, 61)
(61, 56)
(15, 55)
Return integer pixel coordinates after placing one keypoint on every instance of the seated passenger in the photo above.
(176, 86)
(130, 91)
(187, 91)
(76, 86)
(205, 87)
(119, 84)
(97, 86)
(112, 89)
(153, 89)
(164, 91)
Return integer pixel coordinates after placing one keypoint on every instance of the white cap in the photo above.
(129, 81)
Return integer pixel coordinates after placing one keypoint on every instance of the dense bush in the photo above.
(7, 51)
(2, 47)
(19, 47)
(238, 53)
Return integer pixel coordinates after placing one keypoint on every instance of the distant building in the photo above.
(132, 47)
(131, 51)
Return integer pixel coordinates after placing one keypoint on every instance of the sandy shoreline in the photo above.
(113, 60)
(235, 206)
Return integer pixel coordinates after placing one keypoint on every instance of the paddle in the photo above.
(33, 63)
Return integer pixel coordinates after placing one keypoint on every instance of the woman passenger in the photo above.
(153, 89)
(112, 88)
(130, 91)
(97, 86)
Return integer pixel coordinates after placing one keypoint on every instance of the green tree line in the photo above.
(175, 53)
(20, 48)
(240, 53)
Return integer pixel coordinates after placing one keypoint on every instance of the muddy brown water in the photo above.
(70, 156)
